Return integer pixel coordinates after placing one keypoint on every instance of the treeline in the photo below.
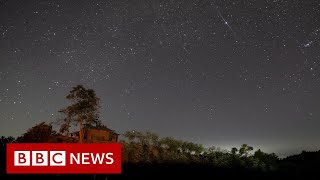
(148, 147)
(145, 154)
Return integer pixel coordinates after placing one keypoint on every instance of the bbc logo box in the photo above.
(63, 158)
(39, 158)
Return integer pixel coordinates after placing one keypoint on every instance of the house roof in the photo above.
(89, 126)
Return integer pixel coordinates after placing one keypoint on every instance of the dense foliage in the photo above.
(150, 148)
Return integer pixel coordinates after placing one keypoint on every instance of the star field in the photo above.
(215, 72)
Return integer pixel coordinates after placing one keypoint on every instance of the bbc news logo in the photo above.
(39, 158)
(60, 158)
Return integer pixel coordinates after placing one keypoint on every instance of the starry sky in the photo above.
(215, 72)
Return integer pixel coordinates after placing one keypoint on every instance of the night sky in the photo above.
(219, 72)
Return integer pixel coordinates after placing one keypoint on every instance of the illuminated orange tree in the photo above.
(82, 111)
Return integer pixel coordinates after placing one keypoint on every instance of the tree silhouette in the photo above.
(5, 140)
(171, 144)
(83, 110)
(234, 151)
(269, 161)
(40, 133)
(245, 149)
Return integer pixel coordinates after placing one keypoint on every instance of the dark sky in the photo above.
(219, 72)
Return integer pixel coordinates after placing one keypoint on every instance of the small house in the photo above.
(97, 134)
